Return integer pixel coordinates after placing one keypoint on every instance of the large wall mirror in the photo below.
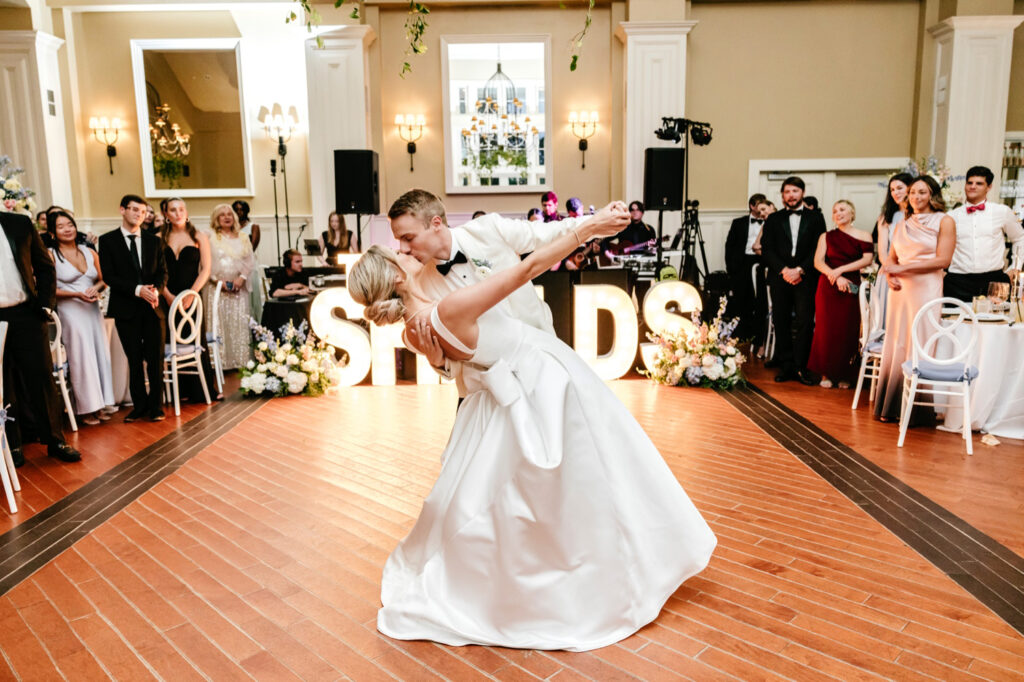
(496, 118)
(193, 135)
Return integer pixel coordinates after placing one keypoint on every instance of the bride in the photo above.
(554, 523)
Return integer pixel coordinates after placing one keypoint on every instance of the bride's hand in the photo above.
(422, 337)
(609, 221)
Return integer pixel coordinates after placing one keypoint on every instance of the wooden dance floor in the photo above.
(249, 544)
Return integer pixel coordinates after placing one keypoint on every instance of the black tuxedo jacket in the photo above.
(35, 265)
(777, 242)
(736, 246)
(120, 275)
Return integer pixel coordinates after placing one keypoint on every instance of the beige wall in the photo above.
(589, 88)
(840, 85)
(1015, 110)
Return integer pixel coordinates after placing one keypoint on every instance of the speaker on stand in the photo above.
(357, 185)
(663, 187)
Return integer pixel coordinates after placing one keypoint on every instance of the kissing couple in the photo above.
(554, 523)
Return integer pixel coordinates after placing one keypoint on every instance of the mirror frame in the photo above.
(142, 112)
(449, 169)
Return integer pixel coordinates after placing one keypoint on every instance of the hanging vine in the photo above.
(416, 27)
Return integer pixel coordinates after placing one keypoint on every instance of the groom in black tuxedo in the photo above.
(133, 266)
(788, 244)
(28, 283)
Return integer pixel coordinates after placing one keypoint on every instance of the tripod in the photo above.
(691, 237)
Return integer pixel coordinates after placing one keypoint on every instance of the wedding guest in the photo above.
(27, 285)
(232, 263)
(840, 256)
(922, 246)
(79, 283)
(289, 281)
(133, 266)
(41, 221)
(789, 243)
(534, 214)
(149, 224)
(337, 238)
(252, 231)
(187, 254)
(573, 207)
(549, 207)
(893, 211)
(982, 229)
(740, 260)
(811, 203)
(767, 208)
(477, 214)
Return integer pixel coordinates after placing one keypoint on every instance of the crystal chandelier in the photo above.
(500, 135)
(167, 138)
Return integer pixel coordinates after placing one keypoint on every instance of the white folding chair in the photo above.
(7, 471)
(183, 355)
(926, 373)
(872, 338)
(59, 355)
(769, 338)
(215, 340)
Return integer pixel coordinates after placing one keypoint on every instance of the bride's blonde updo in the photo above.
(371, 281)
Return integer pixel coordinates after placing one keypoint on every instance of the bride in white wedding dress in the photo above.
(555, 523)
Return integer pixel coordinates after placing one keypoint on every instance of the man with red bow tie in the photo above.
(982, 229)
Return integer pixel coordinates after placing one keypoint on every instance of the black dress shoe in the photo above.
(157, 416)
(18, 457)
(63, 452)
(785, 376)
(771, 364)
(134, 416)
(806, 379)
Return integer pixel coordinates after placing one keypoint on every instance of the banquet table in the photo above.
(997, 395)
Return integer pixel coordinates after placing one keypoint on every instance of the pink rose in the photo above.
(9, 204)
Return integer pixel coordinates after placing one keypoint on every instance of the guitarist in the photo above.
(637, 232)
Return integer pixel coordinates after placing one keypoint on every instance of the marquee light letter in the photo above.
(589, 298)
(660, 320)
(341, 333)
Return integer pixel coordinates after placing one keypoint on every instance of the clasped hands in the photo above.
(891, 270)
(792, 275)
(149, 294)
(836, 279)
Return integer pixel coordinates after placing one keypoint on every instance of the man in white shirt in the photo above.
(982, 230)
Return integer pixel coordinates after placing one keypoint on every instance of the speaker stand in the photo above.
(282, 151)
(277, 219)
(359, 233)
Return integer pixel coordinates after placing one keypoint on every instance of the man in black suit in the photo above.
(740, 260)
(28, 283)
(788, 244)
(133, 266)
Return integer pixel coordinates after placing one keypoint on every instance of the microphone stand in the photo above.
(277, 220)
(282, 150)
(297, 239)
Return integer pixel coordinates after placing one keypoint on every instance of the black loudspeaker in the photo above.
(663, 178)
(356, 182)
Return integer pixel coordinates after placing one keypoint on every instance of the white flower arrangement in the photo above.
(14, 198)
(705, 356)
(297, 363)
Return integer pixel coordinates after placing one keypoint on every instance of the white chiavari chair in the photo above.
(215, 340)
(183, 355)
(59, 355)
(7, 471)
(872, 339)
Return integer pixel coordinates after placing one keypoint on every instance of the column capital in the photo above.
(348, 34)
(629, 29)
(30, 39)
(976, 25)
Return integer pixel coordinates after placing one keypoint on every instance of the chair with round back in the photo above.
(215, 340)
(183, 354)
(59, 355)
(769, 338)
(871, 342)
(7, 472)
(925, 372)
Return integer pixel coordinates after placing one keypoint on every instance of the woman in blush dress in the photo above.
(187, 254)
(893, 211)
(232, 263)
(841, 254)
(79, 283)
(922, 247)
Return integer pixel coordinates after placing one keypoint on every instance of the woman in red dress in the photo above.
(841, 254)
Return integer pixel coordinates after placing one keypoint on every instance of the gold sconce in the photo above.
(110, 129)
(584, 125)
(410, 129)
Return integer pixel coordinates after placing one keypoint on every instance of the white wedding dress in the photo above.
(554, 524)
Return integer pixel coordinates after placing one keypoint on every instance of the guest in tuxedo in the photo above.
(740, 260)
(134, 268)
(788, 244)
(982, 229)
(549, 207)
(290, 281)
(28, 283)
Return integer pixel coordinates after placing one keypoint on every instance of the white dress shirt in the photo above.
(981, 237)
(753, 229)
(12, 289)
(794, 228)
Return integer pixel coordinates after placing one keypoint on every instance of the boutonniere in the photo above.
(483, 267)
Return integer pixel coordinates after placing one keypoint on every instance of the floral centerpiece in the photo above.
(943, 176)
(296, 363)
(15, 197)
(704, 356)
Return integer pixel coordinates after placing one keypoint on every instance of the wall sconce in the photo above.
(276, 124)
(410, 129)
(584, 125)
(109, 129)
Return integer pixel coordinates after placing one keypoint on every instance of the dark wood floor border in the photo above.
(30, 545)
(991, 572)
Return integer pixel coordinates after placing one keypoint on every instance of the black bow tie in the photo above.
(798, 211)
(444, 268)
(759, 221)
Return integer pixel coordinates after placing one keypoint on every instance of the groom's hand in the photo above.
(424, 340)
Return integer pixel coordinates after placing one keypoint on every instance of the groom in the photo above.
(465, 254)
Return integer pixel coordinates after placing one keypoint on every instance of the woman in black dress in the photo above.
(187, 253)
(337, 238)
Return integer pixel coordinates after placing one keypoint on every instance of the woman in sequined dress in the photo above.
(232, 261)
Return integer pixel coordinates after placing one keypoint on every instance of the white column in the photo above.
(655, 86)
(972, 84)
(32, 114)
(339, 107)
